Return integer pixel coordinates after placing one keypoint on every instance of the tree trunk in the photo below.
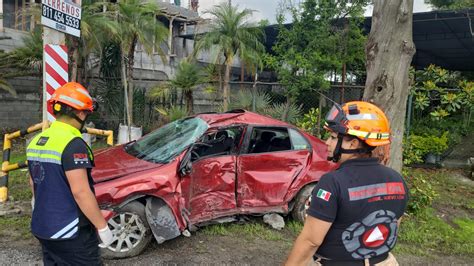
(74, 55)
(189, 101)
(228, 66)
(131, 56)
(242, 74)
(126, 100)
(82, 74)
(389, 52)
(254, 93)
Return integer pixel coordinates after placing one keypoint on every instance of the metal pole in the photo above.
(254, 93)
(410, 102)
(1, 15)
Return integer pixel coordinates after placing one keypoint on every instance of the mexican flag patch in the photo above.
(323, 194)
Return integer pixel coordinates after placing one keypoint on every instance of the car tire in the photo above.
(302, 201)
(132, 232)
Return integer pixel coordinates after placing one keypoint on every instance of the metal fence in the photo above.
(206, 100)
(337, 93)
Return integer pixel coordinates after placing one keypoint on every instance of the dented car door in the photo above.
(265, 172)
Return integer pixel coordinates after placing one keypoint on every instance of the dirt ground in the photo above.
(203, 249)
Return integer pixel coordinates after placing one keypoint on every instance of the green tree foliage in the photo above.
(26, 60)
(442, 93)
(245, 99)
(323, 36)
(452, 4)
(109, 86)
(98, 27)
(188, 77)
(231, 35)
(138, 25)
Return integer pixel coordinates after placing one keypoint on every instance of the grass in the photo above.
(19, 186)
(427, 234)
(255, 229)
(250, 230)
(16, 227)
(446, 228)
(18, 183)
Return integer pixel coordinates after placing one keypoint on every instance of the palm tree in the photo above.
(231, 35)
(26, 60)
(98, 26)
(138, 24)
(188, 76)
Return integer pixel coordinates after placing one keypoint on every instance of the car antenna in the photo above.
(331, 100)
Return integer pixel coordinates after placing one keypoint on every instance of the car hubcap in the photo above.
(128, 230)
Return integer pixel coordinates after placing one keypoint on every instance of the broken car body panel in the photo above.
(264, 179)
(217, 184)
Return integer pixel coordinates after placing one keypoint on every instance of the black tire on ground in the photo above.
(131, 228)
(302, 203)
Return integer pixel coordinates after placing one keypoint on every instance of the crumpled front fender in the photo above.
(161, 220)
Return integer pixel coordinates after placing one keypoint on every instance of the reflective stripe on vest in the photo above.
(55, 215)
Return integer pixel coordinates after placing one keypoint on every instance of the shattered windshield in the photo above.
(167, 142)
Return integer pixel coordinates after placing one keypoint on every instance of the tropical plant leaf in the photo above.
(277, 110)
(4, 85)
(244, 100)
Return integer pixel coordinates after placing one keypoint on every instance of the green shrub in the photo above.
(244, 100)
(422, 192)
(277, 110)
(416, 147)
(310, 122)
(454, 125)
(411, 155)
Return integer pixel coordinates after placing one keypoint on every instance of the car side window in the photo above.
(215, 143)
(269, 140)
(299, 142)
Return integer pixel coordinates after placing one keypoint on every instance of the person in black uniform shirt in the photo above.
(355, 211)
(66, 218)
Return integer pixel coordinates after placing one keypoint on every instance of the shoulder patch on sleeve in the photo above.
(42, 141)
(323, 194)
(80, 158)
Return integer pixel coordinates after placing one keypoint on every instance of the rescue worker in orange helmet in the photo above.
(66, 217)
(355, 210)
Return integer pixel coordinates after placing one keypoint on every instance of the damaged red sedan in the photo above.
(203, 169)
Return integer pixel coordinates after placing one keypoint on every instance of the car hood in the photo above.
(114, 162)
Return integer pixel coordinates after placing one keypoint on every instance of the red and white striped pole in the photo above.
(56, 71)
(55, 67)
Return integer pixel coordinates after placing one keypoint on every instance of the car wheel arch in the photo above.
(162, 219)
(298, 203)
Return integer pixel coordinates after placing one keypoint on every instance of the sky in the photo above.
(266, 9)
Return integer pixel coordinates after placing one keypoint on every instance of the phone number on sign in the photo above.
(60, 17)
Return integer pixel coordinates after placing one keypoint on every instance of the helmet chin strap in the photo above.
(338, 151)
(81, 122)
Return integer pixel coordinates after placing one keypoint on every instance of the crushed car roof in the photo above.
(239, 116)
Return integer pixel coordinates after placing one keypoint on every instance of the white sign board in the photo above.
(62, 15)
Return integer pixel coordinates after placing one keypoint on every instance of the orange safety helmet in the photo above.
(73, 95)
(362, 120)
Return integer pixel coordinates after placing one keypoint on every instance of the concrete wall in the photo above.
(10, 39)
(24, 110)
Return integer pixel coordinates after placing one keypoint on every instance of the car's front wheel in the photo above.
(131, 230)
(302, 202)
